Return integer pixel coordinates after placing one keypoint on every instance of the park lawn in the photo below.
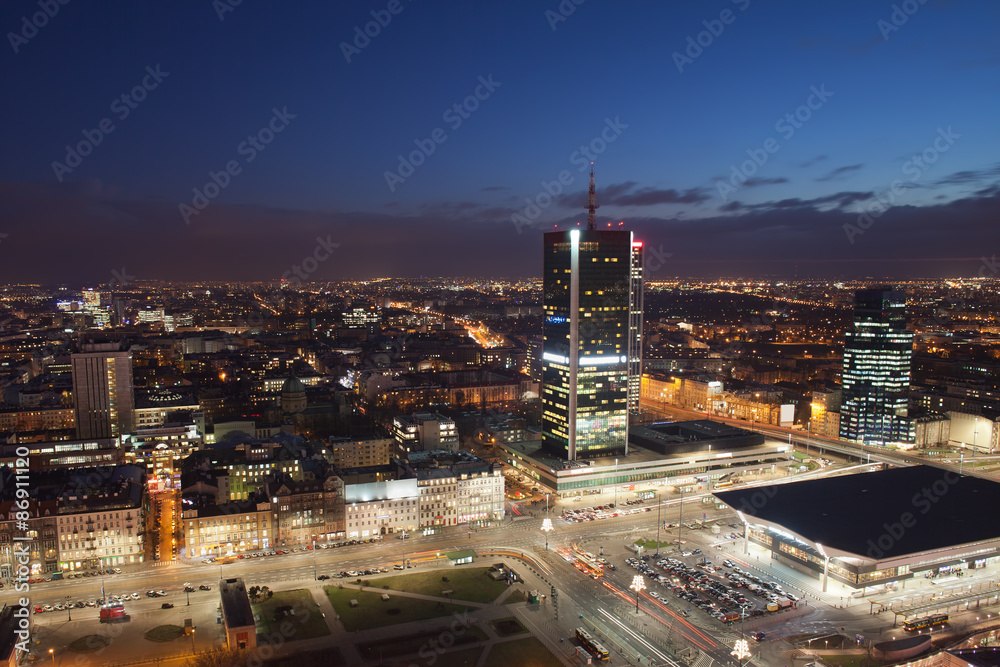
(414, 644)
(505, 627)
(517, 595)
(307, 623)
(322, 658)
(466, 658)
(373, 612)
(527, 652)
(88, 643)
(471, 584)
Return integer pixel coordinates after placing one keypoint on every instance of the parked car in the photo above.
(166, 605)
(204, 587)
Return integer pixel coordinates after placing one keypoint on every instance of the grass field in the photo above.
(88, 643)
(516, 596)
(164, 633)
(411, 644)
(651, 544)
(470, 584)
(527, 652)
(306, 623)
(374, 612)
(505, 627)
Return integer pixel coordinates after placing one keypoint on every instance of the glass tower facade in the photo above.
(592, 300)
(876, 377)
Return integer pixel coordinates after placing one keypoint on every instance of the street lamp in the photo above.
(192, 642)
(52, 652)
(638, 584)
(546, 527)
(69, 610)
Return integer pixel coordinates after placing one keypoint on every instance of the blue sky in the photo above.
(890, 88)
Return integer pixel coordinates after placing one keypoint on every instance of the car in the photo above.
(696, 552)
(161, 593)
(39, 609)
(188, 588)
(116, 570)
(204, 587)
(93, 603)
(166, 605)
(759, 636)
(398, 566)
(149, 594)
(686, 553)
(323, 577)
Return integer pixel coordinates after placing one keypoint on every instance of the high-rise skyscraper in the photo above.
(592, 339)
(102, 390)
(876, 377)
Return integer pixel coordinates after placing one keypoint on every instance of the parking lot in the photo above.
(578, 515)
(723, 591)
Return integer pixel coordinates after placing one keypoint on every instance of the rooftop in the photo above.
(879, 515)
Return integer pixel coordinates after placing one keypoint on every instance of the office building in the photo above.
(592, 288)
(876, 377)
(423, 431)
(102, 390)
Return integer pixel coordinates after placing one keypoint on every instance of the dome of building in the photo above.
(293, 396)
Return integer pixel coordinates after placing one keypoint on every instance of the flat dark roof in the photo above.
(235, 603)
(866, 514)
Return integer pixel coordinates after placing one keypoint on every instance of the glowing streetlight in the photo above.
(638, 584)
(546, 527)
(52, 652)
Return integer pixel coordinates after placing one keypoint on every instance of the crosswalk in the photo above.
(704, 660)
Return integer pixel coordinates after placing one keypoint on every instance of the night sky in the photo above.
(737, 137)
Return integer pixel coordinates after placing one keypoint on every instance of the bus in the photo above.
(592, 646)
(919, 624)
(588, 566)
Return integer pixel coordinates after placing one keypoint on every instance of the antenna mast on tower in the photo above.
(592, 202)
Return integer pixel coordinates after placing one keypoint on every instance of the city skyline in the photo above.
(742, 139)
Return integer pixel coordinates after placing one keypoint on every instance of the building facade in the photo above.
(103, 390)
(590, 341)
(876, 378)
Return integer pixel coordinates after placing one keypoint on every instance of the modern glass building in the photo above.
(592, 340)
(876, 377)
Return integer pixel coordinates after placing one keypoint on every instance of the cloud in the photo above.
(625, 194)
(971, 176)
(812, 161)
(86, 232)
(840, 171)
(756, 182)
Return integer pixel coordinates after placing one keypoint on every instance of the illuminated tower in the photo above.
(102, 390)
(592, 339)
(876, 378)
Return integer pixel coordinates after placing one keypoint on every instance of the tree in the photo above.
(219, 656)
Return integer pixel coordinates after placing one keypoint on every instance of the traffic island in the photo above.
(88, 644)
(164, 633)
